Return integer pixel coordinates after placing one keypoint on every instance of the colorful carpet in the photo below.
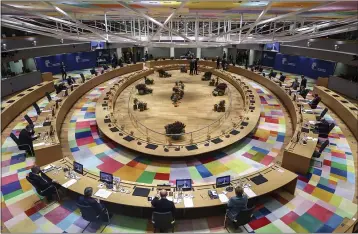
(323, 196)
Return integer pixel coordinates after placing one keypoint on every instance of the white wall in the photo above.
(16, 67)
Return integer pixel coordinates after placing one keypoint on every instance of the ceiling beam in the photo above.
(169, 18)
(152, 20)
(268, 6)
(274, 19)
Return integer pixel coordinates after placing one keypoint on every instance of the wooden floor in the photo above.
(195, 110)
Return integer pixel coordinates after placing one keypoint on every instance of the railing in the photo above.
(202, 134)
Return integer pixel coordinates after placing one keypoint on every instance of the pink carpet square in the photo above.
(5, 163)
(82, 124)
(320, 213)
(110, 165)
(289, 218)
(266, 160)
(309, 188)
(5, 214)
(247, 155)
(84, 141)
(9, 179)
(57, 215)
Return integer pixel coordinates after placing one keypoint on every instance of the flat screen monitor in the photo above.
(106, 177)
(184, 184)
(272, 47)
(222, 181)
(78, 167)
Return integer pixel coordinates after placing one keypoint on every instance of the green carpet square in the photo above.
(146, 177)
(309, 222)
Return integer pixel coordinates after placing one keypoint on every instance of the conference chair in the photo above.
(319, 117)
(324, 134)
(163, 221)
(82, 78)
(29, 120)
(243, 218)
(48, 96)
(318, 153)
(37, 108)
(42, 192)
(92, 216)
(304, 93)
(21, 146)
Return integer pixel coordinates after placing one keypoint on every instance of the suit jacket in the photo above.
(25, 138)
(163, 205)
(315, 101)
(304, 83)
(41, 181)
(90, 201)
(235, 205)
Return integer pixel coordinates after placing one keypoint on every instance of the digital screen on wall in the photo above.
(97, 45)
(272, 47)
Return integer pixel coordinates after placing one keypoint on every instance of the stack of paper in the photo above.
(69, 183)
(103, 193)
(249, 192)
(39, 144)
(188, 202)
(223, 198)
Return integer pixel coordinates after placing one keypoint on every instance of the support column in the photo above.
(198, 53)
(172, 52)
(119, 52)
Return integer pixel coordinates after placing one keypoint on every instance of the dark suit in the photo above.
(42, 182)
(304, 82)
(191, 66)
(218, 63)
(196, 67)
(163, 205)
(98, 207)
(25, 140)
(282, 78)
(313, 104)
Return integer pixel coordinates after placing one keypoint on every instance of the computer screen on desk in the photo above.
(222, 181)
(106, 177)
(77, 167)
(184, 184)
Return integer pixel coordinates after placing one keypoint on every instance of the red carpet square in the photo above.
(161, 176)
(289, 218)
(57, 215)
(320, 213)
(258, 223)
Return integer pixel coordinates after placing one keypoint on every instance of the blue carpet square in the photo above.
(325, 229)
(280, 138)
(75, 149)
(79, 135)
(204, 172)
(90, 115)
(338, 172)
(263, 151)
(325, 188)
(98, 141)
(84, 108)
(35, 216)
(317, 171)
(11, 187)
(17, 159)
(334, 221)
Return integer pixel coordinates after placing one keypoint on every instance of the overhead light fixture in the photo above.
(60, 10)
(34, 43)
(308, 44)
(302, 29)
(336, 47)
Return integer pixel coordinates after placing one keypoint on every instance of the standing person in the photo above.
(231, 60)
(237, 203)
(218, 60)
(146, 56)
(238, 58)
(191, 66)
(114, 60)
(224, 55)
(303, 81)
(163, 205)
(196, 66)
(63, 71)
(138, 56)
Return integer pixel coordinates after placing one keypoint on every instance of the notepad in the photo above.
(188, 202)
(223, 198)
(103, 193)
(69, 183)
(249, 192)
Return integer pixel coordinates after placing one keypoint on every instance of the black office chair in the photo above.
(318, 118)
(89, 214)
(37, 108)
(318, 153)
(42, 191)
(48, 96)
(243, 218)
(163, 221)
(304, 93)
(82, 77)
(21, 146)
(29, 120)
(325, 134)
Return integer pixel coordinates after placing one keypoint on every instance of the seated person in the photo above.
(88, 200)
(271, 74)
(42, 181)
(322, 126)
(59, 87)
(26, 139)
(163, 205)
(314, 102)
(295, 84)
(281, 79)
(237, 203)
(70, 80)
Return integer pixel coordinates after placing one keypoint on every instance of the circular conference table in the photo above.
(276, 176)
(114, 129)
